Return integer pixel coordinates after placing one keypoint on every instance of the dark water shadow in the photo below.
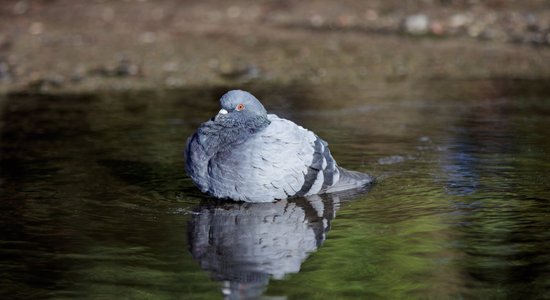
(78, 171)
(243, 245)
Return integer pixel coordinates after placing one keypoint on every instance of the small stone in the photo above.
(148, 37)
(174, 82)
(460, 20)
(345, 20)
(437, 28)
(36, 28)
(234, 12)
(21, 7)
(417, 24)
(317, 21)
(47, 82)
(125, 67)
(475, 29)
(79, 74)
(371, 15)
(170, 66)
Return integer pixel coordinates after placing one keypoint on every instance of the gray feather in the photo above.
(256, 157)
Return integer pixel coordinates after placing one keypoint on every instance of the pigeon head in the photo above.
(241, 106)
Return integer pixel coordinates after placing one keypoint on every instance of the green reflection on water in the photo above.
(95, 202)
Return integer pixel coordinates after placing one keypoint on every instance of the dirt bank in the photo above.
(77, 45)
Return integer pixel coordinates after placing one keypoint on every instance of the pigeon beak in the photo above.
(220, 113)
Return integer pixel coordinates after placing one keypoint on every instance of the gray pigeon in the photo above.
(246, 154)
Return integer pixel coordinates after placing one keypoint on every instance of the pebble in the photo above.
(124, 68)
(460, 20)
(371, 15)
(148, 37)
(437, 28)
(36, 28)
(21, 7)
(47, 82)
(317, 21)
(417, 24)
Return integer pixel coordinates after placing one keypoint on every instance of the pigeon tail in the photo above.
(350, 180)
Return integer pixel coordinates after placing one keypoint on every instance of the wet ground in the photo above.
(77, 45)
(96, 203)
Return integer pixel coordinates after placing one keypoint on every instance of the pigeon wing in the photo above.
(282, 161)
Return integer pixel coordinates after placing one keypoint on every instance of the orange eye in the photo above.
(239, 107)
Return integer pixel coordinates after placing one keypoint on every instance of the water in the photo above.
(95, 202)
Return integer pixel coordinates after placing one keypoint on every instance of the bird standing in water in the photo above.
(246, 154)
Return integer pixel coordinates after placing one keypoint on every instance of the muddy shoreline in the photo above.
(85, 46)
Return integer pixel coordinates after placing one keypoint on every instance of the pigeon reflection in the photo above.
(245, 244)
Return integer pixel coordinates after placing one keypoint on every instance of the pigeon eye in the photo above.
(239, 107)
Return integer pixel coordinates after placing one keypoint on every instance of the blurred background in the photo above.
(102, 44)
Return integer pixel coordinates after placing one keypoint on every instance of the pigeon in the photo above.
(246, 154)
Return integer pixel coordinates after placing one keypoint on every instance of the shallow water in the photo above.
(95, 202)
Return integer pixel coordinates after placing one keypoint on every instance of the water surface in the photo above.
(95, 202)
